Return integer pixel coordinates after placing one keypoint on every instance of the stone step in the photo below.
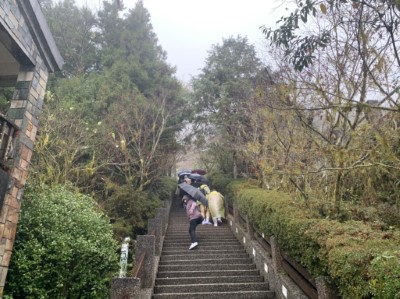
(203, 267)
(206, 261)
(200, 255)
(209, 280)
(218, 295)
(209, 250)
(220, 287)
(208, 272)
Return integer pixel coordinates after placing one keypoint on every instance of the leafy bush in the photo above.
(163, 188)
(64, 247)
(130, 209)
(363, 259)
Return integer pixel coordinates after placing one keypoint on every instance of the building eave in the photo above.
(41, 34)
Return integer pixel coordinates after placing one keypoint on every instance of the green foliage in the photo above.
(227, 81)
(5, 97)
(362, 259)
(219, 181)
(163, 188)
(110, 119)
(76, 36)
(130, 209)
(64, 247)
(385, 282)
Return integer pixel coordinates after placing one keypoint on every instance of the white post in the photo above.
(124, 257)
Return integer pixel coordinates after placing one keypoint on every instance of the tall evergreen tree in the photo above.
(226, 82)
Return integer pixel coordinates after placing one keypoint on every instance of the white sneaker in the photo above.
(193, 245)
(215, 224)
(208, 222)
(204, 222)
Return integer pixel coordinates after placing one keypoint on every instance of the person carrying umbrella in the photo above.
(194, 216)
(192, 211)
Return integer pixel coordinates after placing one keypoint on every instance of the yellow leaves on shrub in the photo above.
(322, 6)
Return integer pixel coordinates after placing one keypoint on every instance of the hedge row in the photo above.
(362, 259)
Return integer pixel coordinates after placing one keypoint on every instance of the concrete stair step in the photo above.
(204, 267)
(219, 295)
(208, 272)
(205, 261)
(188, 259)
(200, 255)
(184, 250)
(208, 280)
(221, 287)
(203, 242)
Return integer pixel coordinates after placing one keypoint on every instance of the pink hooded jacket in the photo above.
(192, 211)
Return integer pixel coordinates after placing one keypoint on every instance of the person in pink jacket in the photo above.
(194, 216)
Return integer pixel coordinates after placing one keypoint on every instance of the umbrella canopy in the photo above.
(183, 171)
(181, 176)
(199, 171)
(193, 192)
(198, 179)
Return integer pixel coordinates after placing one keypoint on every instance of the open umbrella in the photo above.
(193, 192)
(183, 171)
(198, 179)
(181, 176)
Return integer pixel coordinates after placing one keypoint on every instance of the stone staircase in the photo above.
(218, 268)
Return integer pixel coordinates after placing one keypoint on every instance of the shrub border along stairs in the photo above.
(286, 277)
(361, 259)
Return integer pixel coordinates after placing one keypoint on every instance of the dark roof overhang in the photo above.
(41, 34)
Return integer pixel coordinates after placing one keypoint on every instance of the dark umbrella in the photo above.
(198, 179)
(184, 171)
(182, 175)
(193, 192)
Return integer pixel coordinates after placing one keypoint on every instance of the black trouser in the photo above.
(192, 228)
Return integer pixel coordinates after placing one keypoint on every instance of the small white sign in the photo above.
(263, 236)
(265, 268)
(231, 222)
(284, 291)
(254, 252)
(244, 240)
(236, 230)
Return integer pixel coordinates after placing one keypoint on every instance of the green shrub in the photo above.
(163, 188)
(130, 209)
(64, 247)
(219, 181)
(361, 258)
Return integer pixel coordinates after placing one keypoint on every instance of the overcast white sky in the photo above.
(187, 29)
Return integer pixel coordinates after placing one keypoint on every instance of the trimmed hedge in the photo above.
(363, 259)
